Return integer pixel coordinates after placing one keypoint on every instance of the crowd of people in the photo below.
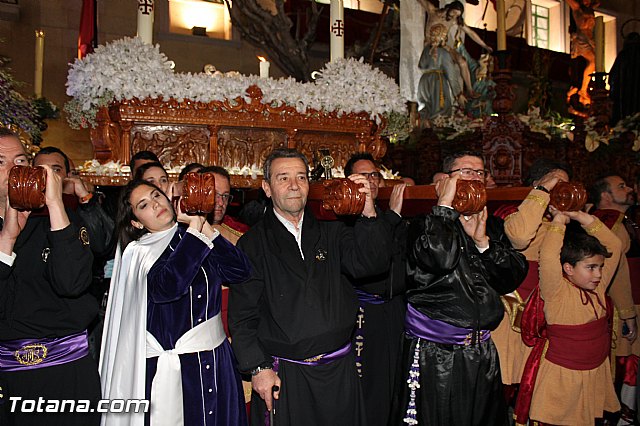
(447, 318)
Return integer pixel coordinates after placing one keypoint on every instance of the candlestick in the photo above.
(336, 28)
(502, 30)
(598, 34)
(264, 67)
(37, 81)
(145, 20)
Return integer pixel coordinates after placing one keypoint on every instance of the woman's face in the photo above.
(152, 209)
(158, 177)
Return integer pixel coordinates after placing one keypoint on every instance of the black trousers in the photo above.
(77, 380)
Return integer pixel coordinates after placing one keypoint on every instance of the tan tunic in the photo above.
(525, 229)
(562, 396)
(620, 292)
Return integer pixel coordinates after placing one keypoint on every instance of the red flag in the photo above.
(88, 28)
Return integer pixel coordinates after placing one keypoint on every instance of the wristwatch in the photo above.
(261, 367)
(541, 188)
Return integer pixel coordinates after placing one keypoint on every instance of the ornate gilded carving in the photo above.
(502, 138)
(339, 146)
(238, 147)
(239, 132)
(172, 144)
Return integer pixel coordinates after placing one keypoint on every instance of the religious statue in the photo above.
(462, 75)
(439, 84)
(582, 44)
(623, 79)
(483, 86)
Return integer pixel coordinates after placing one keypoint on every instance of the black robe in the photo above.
(380, 326)
(456, 284)
(296, 309)
(45, 294)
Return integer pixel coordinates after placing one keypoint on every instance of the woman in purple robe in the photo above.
(164, 340)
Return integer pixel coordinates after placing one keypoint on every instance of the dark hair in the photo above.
(448, 161)
(599, 186)
(358, 156)
(217, 170)
(47, 150)
(578, 245)
(189, 168)
(5, 132)
(146, 166)
(144, 155)
(456, 5)
(282, 153)
(542, 166)
(125, 230)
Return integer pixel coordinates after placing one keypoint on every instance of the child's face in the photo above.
(587, 273)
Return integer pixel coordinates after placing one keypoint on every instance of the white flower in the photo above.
(129, 68)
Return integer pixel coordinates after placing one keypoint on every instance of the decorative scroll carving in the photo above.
(172, 144)
(238, 147)
(502, 148)
(568, 196)
(343, 196)
(340, 146)
(249, 128)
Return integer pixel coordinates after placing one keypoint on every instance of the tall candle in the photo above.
(598, 34)
(264, 67)
(145, 20)
(502, 27)
(37, 81)
(336, 29)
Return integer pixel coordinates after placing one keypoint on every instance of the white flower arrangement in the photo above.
(128, 68)
(114, 168)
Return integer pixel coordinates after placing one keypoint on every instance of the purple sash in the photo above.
(321, 359)
(417, 324)
(365, 297)
(29, 354)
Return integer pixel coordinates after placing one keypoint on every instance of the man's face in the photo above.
(288, 186)
(366, 167)
(55, 160)
(223, 191)
(621, 194)
(11, 154)
(469, 168)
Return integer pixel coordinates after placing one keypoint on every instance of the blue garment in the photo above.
(439, 84)
(184, 290)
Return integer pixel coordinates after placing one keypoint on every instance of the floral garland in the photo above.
(128, 68)
(594, 138)
(458, 124)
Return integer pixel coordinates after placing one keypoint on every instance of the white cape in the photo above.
(123, 356)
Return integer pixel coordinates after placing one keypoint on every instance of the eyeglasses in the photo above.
(226, 198)
(372, 175)
(467, 172)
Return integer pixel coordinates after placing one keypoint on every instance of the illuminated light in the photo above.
(184, 15)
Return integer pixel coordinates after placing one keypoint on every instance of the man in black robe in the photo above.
(45, 272)
(460, 265)
(380, 322)
(297, 312)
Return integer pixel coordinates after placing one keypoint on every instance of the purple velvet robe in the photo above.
(184, 290)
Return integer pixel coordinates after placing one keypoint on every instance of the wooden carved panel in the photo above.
(173, 145)
(502, 148)
(340, 145)
(240, 146)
